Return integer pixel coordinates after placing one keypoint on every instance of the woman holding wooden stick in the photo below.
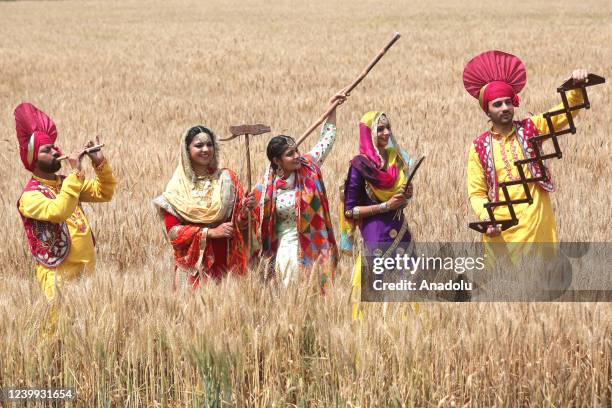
(204, 212)
(292, 220)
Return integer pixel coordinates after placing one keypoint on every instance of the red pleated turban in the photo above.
(492, 75)
(34, 129)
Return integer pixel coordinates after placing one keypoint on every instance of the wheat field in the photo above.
(139, 73)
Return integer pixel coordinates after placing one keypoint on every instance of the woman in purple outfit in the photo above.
(375, 193)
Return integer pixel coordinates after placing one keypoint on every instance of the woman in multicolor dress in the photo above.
(204, 212)
(375, 193)
(292, 218)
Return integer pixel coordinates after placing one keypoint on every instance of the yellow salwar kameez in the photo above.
(66, 207)
(536, 221)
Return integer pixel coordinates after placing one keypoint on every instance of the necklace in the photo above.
(202, 188)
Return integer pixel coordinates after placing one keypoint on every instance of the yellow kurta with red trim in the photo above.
(65, 207)
(536, 221)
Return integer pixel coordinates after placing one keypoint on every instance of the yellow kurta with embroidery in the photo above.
(536, 221)
(65, 207)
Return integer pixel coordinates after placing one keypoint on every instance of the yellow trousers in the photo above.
(52, 279)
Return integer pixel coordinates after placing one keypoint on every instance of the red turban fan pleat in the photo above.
(494, 74)
(34, 129)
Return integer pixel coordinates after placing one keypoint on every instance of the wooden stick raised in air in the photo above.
(350, 87)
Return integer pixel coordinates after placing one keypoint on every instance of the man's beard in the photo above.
(52, 167)
(502, 121)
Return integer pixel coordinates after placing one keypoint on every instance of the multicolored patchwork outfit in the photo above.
(292, 220)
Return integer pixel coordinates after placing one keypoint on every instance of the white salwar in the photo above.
(287, 259)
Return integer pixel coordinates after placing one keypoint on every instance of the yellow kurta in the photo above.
(66, 207)
(536, 221)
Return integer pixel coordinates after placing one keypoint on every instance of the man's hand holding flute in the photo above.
(92, 149)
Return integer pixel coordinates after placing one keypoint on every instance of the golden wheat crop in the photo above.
(140, 72)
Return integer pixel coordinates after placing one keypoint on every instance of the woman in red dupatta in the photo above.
(204, 212)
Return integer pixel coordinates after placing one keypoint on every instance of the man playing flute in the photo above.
(58, 232)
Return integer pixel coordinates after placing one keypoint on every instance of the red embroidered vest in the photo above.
(49, 242)
(525, 131)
